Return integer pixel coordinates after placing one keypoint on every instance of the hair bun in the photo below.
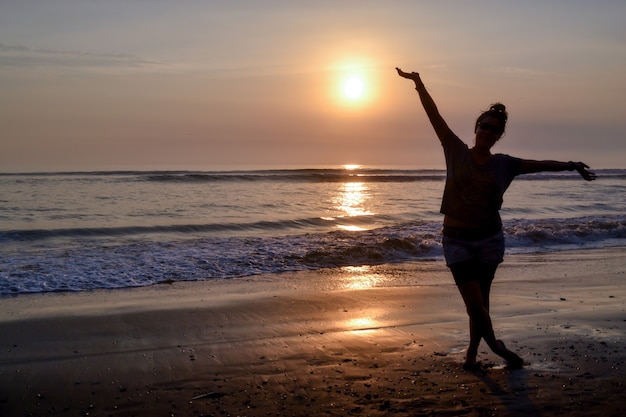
(499, 107)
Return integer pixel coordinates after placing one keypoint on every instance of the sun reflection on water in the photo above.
(350, 202)
(351, 199)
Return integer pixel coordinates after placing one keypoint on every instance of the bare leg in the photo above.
(487, 273)
(481, 326)
(480, 321)
(472, 349)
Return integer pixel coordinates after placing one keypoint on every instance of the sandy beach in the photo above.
(367, 341)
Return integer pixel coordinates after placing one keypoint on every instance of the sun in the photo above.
(353, 88)
(352, 85)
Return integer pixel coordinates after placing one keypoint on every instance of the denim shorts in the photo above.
(489, 250)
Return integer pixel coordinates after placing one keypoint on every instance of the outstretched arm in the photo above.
(441, 127)
(529, 166)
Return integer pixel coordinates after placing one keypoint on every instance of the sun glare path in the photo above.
(351, 200)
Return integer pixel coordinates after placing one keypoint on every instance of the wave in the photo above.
(544, 230)
(130, 231)
(342, 175)
(306, 175)
(413, 241)
(292, 225)
(581, 231)
(302, 175)
(99, 263)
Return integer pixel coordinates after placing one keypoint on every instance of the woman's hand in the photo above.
(582, 169)
(409, 75)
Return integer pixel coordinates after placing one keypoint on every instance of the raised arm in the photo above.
(529, 166)
(441, 127)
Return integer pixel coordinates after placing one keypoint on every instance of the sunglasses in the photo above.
(497, 130)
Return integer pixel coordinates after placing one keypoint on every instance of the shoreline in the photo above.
(380, 340)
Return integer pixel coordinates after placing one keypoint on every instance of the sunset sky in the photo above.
(99, 85)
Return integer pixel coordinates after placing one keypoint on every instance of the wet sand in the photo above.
(369, 341)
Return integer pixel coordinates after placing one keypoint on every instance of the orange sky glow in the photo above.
(212, 85)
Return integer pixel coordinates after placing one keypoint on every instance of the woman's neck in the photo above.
(480, 156)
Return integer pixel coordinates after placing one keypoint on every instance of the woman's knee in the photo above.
(476, 309)
(472, 297)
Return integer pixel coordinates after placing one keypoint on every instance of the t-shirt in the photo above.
(473, 192)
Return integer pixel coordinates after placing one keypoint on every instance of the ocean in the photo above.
(77, 231)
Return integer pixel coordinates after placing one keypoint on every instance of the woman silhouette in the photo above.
(473, 242)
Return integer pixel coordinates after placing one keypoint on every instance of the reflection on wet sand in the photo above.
(362, 325)
(361, 277)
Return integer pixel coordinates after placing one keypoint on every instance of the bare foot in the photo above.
(513, 361)
(471, 364)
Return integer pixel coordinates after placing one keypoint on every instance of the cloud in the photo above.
(520, 71)
(436, 66)
(17, 56)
